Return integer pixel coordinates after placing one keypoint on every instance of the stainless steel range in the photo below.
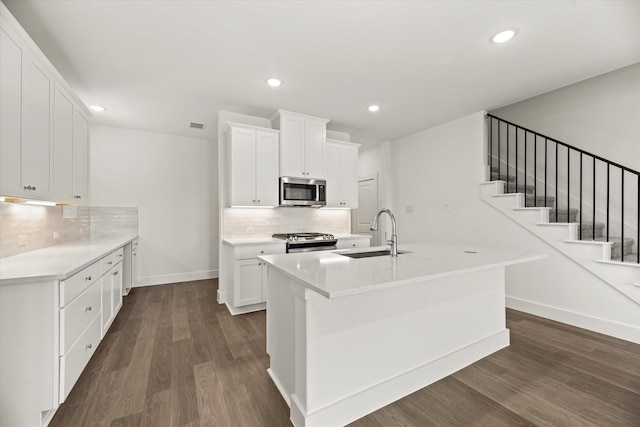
(307, 242)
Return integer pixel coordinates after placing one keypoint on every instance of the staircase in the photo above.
(575, 201)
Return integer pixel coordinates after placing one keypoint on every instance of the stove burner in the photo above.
(306, 242)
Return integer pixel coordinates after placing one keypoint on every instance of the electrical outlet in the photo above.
(56, 235)
(22, 240)
(409, 209)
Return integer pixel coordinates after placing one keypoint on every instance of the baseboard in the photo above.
(246, 308)
(591, 323)
(165, 279)
(279, 386)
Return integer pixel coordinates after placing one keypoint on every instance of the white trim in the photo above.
(164, 279)
(591, 323)
(246, 308)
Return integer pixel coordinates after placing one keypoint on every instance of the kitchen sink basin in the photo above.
(370, 254)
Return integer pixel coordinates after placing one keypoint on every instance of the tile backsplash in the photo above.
(248, 222)
(25, 228)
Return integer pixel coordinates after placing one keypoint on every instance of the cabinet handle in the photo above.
(258, 201)
(89, 346)
(120, 255)
(115, 273)
(87, 278)
(28, 187)
(88, 308)
(110, 262)
(261, 252)
(134, 254)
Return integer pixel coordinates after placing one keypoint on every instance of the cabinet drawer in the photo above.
(74, 285)
(74, 361)
(111, 260)
(248, 252)
(76, 316)
(353, 243)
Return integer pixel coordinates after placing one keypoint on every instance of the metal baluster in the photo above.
(499, 153)
(490, 148)
(525, 168)
(535, 169)
(622, 216)
(593, 236)
(508, 138)
(568, 183)
(546, 160)
(580, 207)
(638, 222)
(608, 190)
(525, 200)
(557, 204)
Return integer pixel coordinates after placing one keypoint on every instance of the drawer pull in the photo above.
(115, 273)
(88, 308)
(120, 255)
(110, 263)
(87, 278)
(89, 346)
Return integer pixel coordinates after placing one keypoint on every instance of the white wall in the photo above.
(173, 181)
(443, 166)
(599, 115)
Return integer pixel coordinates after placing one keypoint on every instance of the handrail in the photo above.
(595, 156)
(556, 169)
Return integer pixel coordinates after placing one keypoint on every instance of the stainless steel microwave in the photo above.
(302, 192)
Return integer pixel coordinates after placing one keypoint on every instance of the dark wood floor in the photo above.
(174, 357)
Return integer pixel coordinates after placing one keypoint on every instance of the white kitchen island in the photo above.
(349, 336)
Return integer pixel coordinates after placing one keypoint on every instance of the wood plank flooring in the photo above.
(175, 357)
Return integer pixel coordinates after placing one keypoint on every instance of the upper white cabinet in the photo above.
(253, 165)
(32, 98)
(26, 93)
(342, 174)
(71, 150)
(302, 144)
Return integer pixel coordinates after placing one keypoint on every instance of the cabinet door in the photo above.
(10, 115)
(80, 158)
(333, 175)
(116, 288)
(267, 157)
(242, 167)
(315, 137)
(350, 177)
(107, 305)
(292, 153)
(247, 282)
(63, 146)
(134, 263)
(36, 147)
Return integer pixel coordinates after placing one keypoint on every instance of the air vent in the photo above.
(196, 125)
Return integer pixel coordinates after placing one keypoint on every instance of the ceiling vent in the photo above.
(196, 125)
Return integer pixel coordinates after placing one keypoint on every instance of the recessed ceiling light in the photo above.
(274, 82)
(503, 36)
(373, 108)
(97, 108)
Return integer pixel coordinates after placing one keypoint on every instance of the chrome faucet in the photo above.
(394, 238)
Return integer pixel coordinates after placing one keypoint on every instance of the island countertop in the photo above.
(333, 275)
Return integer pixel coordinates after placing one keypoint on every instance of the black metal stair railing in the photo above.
(521, 156)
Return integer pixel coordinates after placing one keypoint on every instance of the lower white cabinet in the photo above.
(111, 284)
(28, 353)
(250, 282)
(89, 301)
(248, 277)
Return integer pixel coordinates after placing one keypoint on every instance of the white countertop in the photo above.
(333, 275)
(60, 261)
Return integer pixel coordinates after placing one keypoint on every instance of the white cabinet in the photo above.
(342, 174)
(353, 242)
(302, 144)
(249, 276)
(253, 165)
(130, 267)
(89, 302)
(111, 284)
(28, 352)
(25, 113)
(71, 154)
(44, 130)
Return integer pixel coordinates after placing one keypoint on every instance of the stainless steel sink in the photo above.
(370, 254)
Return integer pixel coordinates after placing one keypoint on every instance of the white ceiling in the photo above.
(159, 65)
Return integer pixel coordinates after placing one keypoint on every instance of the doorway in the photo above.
(362, 218)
